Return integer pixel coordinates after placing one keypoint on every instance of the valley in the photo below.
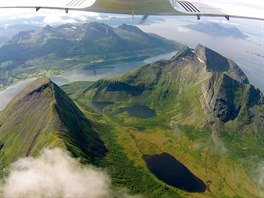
(207, 144)
(188, 126)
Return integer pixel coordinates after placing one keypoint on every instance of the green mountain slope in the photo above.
(173, 128)
(42, 115)
(168, 85)
(207, 115)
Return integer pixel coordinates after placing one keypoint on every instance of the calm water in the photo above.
(139, 111)
(169, 170)
(111, 70)
(108, 70)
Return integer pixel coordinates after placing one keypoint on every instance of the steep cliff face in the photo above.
(229, 99)
(216, 63)
(228, 94)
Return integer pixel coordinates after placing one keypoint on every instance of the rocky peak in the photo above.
(97, 30)
(184, 53)
(130, 28)
(21, 37)
(214, 62)
(48, 28)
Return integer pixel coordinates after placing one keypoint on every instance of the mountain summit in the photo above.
(190, 80)
(42, 115)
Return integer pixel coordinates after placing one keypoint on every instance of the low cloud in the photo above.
(56, 174)
(259, 178)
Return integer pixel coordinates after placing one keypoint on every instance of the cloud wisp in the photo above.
(259, 178)
(56, 174)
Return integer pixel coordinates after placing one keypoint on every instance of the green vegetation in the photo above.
(190, 99)
(184, 125)
(125, 172)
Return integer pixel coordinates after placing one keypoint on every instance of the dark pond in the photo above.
(98, 106)
(139, 111)
(169, 170)
(141, 128)
(1, 146)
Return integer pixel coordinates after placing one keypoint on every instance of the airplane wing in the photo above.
(253, 9)
(227, 8)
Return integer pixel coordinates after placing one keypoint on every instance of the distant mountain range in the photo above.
(67, 47)
(3, 39)
(214, 29)
(93, 39)
(11, 30)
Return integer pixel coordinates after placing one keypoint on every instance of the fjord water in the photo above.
(169, 170)
(108, 70)
(101, 72)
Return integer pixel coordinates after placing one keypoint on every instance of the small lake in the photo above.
(169, 170)
(140, 128)
(138, 111)
(99, 106)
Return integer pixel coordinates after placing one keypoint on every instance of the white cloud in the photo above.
(55, 174)
(253, 8)
(259, 179)
(47, 16)
(55, 19)
(183, 29)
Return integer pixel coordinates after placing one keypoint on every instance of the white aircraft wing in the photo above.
(228, 8)
(56, 4)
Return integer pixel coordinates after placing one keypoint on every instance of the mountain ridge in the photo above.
(199, 108)
(224, 86)
(42, 115)
(187, 102)
(82, 39)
